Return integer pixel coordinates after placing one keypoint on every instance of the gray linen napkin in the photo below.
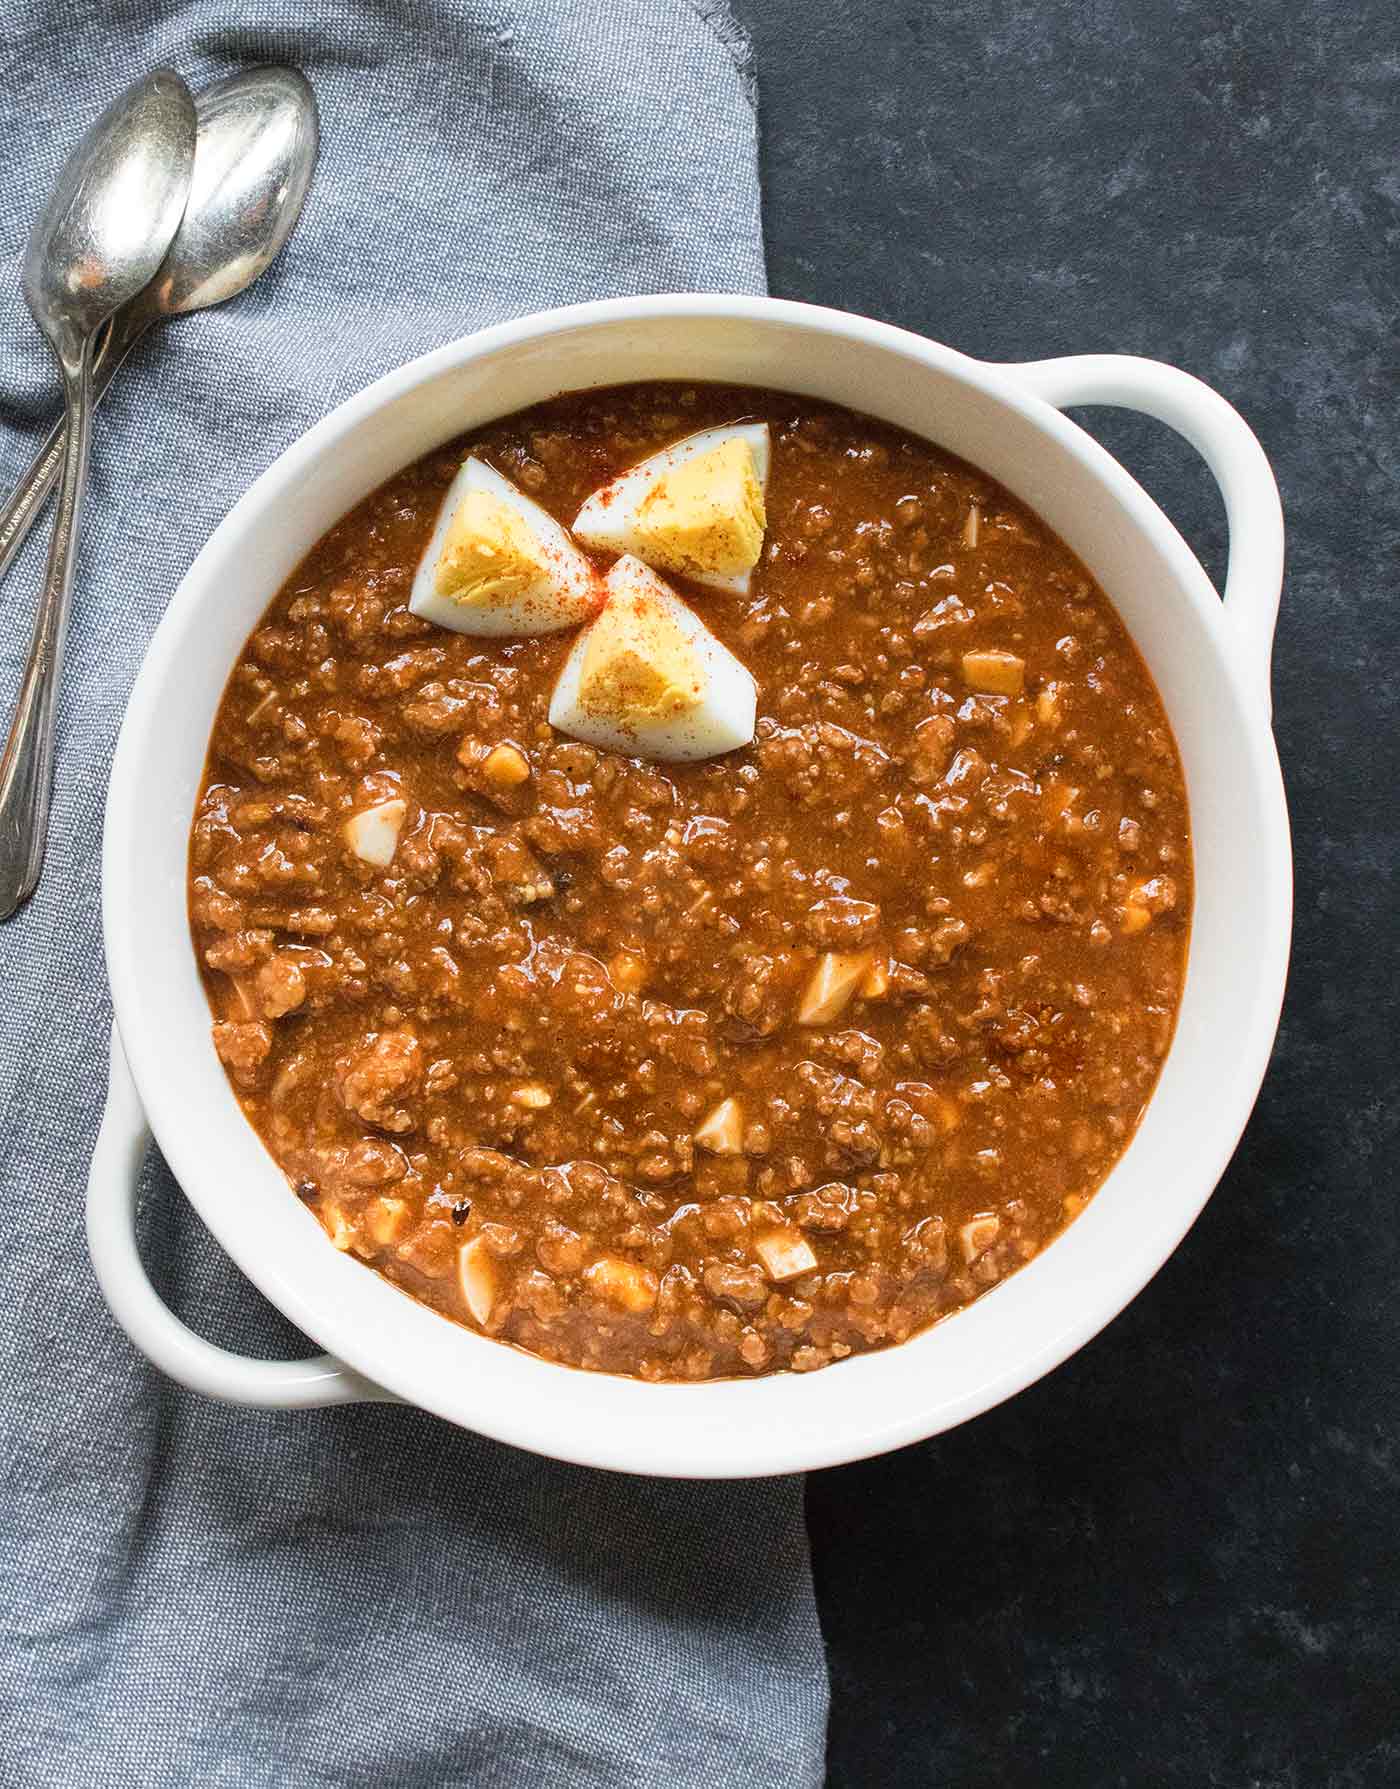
(194, 1594)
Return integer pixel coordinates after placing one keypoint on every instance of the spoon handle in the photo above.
(26, 769)
(21, 508)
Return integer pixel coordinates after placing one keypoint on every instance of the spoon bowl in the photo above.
(113, 213)
(255, 153)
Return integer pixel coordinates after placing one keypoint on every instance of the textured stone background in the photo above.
(1177, 1561)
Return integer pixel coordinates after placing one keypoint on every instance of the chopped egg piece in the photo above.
(623, 1284)
(477, 1276)
(506, 765)
(696, 508)
(831, 985)
(1047, 705)
(373, 833)
(722, 1131)
(499, 564)
(785, 1254)
(648, 678)
(997, 673)
(978, 1235)
(386, 1220)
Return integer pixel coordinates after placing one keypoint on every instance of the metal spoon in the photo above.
(99, 240)
(253, 162)
(255, 153)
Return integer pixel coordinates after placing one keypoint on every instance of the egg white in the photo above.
(724, 718)
(608, 519)
(373, 833)
(570, 594)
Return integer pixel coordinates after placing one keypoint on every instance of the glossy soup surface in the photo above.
(484, 1067)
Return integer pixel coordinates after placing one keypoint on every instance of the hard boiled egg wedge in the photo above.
(695, 508)
(648, 678)
(499, 564)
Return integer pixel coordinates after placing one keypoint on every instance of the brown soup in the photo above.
(718, 1068)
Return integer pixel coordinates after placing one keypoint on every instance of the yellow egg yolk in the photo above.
(707, 515)
(638, 664)
(489, 553)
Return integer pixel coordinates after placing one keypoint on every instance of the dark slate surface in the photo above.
(1177, 1561)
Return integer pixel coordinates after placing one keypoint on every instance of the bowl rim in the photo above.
(528, 1422)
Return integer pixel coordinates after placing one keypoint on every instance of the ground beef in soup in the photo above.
(725, 1068)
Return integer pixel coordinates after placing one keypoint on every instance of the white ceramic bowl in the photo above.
(1210, 660)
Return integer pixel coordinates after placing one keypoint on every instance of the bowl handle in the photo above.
(155, 1329)
(1221, 436)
